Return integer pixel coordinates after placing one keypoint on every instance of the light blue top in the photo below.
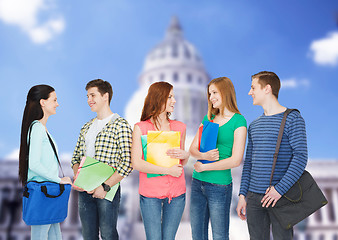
(43, 164)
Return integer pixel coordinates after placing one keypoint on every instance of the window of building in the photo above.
(174, 50)
(162, 54)
(187, 52)
(162, 77)
(189, 78)
(175, 77)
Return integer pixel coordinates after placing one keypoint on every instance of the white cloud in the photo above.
(325, 51)
(66, 156)
(24, 14)
(14, 155)
(292, 83)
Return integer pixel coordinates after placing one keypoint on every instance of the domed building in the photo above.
(176, 61)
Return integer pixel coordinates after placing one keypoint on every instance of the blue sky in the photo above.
(68, 43)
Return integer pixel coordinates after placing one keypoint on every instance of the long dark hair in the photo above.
(32, 112)
(157, 97)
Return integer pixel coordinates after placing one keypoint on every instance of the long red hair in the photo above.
(155, 101)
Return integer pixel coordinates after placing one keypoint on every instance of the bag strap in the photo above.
(44, 190)
(51, 142)
(54, 149)
(279, 140)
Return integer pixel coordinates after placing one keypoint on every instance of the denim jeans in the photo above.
(47, 231)
(161, 218)
(260, 218)
(210, 201)
(99, 215)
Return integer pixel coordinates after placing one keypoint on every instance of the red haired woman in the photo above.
(162, 198)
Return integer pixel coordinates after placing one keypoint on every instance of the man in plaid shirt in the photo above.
(107, 138)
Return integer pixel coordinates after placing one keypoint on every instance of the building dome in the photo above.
(176, 61)
(174, 53)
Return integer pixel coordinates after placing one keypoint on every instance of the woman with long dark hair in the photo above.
(162, 198)
(39, 163)
(211, 187)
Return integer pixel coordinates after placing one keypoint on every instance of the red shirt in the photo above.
(162, 186)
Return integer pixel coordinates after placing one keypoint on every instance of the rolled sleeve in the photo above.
(77, 155)
(124, 141)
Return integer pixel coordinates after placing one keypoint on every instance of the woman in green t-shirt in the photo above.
(211, 187)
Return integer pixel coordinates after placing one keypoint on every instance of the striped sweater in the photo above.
(292, 157)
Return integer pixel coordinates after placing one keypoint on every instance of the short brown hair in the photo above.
(156, 98)
(102, 86)
(228, 94)
(271, 78)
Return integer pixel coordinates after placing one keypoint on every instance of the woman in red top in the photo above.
(162, 198)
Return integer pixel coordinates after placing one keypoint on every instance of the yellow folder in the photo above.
(158, 143)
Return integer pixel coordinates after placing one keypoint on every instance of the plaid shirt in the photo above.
(112, 145)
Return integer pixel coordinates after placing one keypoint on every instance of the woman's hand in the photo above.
(66, 180)
(211, 155)
(178, 153)
(199, 167)
(175, 170)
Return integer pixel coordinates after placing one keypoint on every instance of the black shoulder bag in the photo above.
(302, 199)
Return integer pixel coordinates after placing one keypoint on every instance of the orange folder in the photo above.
(158, 143)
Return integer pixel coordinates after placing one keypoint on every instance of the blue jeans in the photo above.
(210, 201)
(99, 215)
(259, 220)
(161, 218)
(44, 232)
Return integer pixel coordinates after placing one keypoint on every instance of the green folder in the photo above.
(92, 173)
(144, 147)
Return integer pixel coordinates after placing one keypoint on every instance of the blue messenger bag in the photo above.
(45, 202)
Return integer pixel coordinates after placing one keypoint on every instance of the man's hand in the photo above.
(241, 207)
(78, 188)
(271, 197)
(99, 192)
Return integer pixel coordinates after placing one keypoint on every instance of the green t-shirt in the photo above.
(225, 142)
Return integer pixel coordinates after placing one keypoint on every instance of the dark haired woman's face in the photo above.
(49, 105)
(170, 102)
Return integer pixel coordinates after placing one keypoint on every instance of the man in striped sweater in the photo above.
(255, 197)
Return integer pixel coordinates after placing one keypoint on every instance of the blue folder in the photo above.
(208, 138)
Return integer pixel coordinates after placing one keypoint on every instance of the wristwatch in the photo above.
(106, 187)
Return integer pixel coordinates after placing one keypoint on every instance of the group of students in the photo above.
(110, 139)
